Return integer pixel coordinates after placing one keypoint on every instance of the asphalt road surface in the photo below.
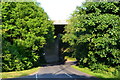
(57, 72)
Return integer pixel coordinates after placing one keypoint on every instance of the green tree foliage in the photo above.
(93, 33)
(26, 28)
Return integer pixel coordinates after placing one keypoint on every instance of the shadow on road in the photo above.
(66, 63)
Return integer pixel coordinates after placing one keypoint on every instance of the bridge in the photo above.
(59, 26)
(60, 22)
(52, 50)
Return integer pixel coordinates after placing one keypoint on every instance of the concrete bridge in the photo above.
(52, 50)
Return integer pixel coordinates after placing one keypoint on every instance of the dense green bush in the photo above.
(93, 33)
(26, 28)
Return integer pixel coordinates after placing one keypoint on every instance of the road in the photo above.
(57, 72)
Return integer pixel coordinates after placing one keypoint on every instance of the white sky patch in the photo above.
(59, 9)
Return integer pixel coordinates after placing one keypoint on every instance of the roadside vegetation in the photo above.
(70, 58)
(102, 75)
(93, 37)
(15, 74)
(25, 30)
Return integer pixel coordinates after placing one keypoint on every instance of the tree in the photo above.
(26, 29)
(93, 33)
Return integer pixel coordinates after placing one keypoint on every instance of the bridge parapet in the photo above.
(60, 22)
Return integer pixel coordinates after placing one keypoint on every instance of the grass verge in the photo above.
(103, 76)
(15, 74)
(70, 59)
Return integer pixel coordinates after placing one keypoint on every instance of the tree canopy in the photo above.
(26, 29)
(93, 33)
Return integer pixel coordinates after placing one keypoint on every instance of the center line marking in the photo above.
(68, 75)
(36, 76)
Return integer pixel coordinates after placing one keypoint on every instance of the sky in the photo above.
(59, 9)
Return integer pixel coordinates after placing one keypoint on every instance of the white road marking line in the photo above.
(68, 75)
(36, 76)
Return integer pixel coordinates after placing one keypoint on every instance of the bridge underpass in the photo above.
(52, 50)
